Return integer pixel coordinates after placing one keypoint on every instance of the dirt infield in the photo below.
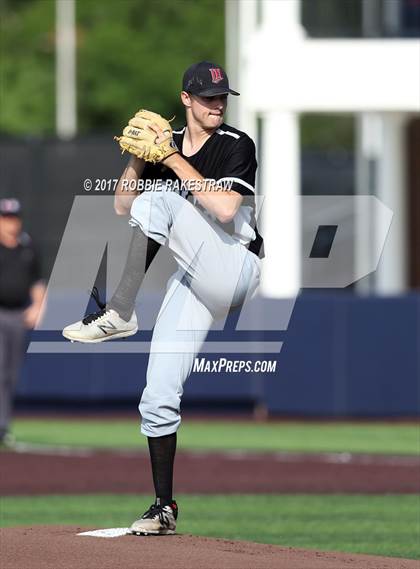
(60, 548)
(74, 472)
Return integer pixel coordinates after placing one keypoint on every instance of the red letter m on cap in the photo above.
(216, 75)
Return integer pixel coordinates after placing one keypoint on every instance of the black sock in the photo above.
(140, 256)
(162, 455)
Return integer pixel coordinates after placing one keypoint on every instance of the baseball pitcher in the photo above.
(201, 205)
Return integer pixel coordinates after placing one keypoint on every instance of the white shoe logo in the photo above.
(104, 327)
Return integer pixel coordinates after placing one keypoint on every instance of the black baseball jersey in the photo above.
(19, 270)
(227, 156)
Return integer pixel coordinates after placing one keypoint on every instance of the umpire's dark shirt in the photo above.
(19, 271)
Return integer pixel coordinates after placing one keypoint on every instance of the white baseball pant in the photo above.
(215, 272)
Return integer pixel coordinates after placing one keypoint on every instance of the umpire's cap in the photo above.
(206, 79)
(10, 206)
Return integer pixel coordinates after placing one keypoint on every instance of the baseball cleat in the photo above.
(101, 326)
(158, 520)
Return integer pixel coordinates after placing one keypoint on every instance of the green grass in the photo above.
(378, 525)
(385, 438)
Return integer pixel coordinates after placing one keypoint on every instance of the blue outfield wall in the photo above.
(342, 355)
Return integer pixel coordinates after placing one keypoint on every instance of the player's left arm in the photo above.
(238, 175)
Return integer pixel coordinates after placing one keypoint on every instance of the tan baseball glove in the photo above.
(148, 136)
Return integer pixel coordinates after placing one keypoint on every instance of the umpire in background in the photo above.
(21, 295)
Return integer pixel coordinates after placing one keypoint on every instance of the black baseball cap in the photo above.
(207, 80)
(10, 206)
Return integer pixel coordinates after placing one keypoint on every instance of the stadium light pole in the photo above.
(65, 74)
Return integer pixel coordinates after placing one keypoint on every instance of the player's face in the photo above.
(208, 112)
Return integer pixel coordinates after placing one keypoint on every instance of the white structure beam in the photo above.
(241, 23)
(381, 172)
(392, 274)
(65, 76)
(281, 209)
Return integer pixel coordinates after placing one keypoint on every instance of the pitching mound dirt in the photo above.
(55, 547)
